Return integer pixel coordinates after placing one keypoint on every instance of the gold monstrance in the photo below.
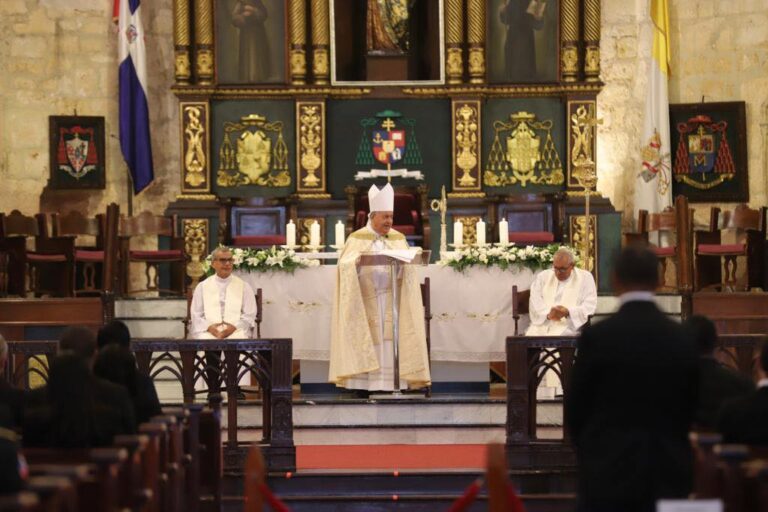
(441, 206)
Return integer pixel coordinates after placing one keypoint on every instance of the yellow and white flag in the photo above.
(653, 187)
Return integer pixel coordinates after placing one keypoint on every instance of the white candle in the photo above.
(480, 232)
(504, 231)
(339, 234)
(290, 234)
(458, 233)
(314, 234)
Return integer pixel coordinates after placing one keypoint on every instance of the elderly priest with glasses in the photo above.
(562, 298)
(361, 327)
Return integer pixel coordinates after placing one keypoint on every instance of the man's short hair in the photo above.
(565, 251)
(114, 332)
(79, 341)
(764, 356)
(704, 333)
(216, 251)
(637, 267)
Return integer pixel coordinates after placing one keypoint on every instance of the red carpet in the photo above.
(391, 456)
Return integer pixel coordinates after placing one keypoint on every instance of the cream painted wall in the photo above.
(58, 56)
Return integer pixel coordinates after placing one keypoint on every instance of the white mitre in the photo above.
(381, 200)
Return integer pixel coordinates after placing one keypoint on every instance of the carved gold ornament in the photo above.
(523, 160)
(194, 156)
(577, 230)
(592, 63)
(196, 246)
(469, 232)
(310, 144)
(453, 65)
(298, 62)
(476, 62)
(467, 143)
(205, 63)
(182, 66)
(255, 158)
(570, 61)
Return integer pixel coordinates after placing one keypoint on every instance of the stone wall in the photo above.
(719, 51)
(60, 56)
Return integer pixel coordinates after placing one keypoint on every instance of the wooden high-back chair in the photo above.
(147, 224)
(749, 228)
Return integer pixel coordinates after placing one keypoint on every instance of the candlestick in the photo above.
(503, 232)
(290, 234)
(480, 232)
(458, 233)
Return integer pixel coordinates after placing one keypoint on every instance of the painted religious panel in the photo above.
(76, 149)
(251, 40)
(522, 41)
(254, 148)
(407, 141)
(386, 41)
(709, 152)
(523, 146)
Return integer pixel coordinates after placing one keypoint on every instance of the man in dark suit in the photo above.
(632, 398)
(145, 399)
(717, 383)
(745, 420)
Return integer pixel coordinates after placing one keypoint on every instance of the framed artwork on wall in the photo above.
(709, 151)
(76, 152)
(523, 39)
(251, 46)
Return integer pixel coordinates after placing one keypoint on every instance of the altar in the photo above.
(471, 317)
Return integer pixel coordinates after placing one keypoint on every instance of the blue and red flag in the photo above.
(134, 110)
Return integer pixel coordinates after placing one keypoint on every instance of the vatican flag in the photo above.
(653, 188)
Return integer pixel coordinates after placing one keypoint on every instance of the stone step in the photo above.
(151, 308)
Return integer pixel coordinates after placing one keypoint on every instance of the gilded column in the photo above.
(204, 41)
(310, 154)
(196, 233)
(569, 40)
(592, 40)
(181, 42)
(195, 151)
(298, 29)
(321, 41)
(476, 40)
(454, 38)
(466, 124)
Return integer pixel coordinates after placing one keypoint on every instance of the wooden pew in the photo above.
(136, 493)
(24, 501)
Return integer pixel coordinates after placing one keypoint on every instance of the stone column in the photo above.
(476, 39)
(320, 42)
(569, 40)
(297, 17)
(592, 40)
(204, 64)
(181, 42)
(454, 39)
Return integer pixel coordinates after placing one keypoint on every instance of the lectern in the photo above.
(395, 260)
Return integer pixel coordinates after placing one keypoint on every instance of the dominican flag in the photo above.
(134, 111)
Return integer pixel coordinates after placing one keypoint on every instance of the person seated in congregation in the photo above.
(361, 325)
(223, 307)
(717, 383)
(632, 397)
(562, 298)
(76, 409)
(12, 398)
(12, 464)
(143, 394)
(745, 419)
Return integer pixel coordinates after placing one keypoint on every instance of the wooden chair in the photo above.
(47, 267)
(146, 224)
(411, 214)
(520, 300)
(749, 228)
(102, 254)
(677, 223)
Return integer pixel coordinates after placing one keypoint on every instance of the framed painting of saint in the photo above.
(709, 152)
(523, 41)
(76, 150)
(251, 40)
(387, 42)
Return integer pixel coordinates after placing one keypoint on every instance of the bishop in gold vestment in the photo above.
(361, 328)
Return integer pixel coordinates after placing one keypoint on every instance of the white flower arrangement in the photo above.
(535, 258)
(264, 260)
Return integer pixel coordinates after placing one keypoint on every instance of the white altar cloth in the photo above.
(471, 311)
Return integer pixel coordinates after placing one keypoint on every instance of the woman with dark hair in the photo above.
(118, 365)
(70, 415)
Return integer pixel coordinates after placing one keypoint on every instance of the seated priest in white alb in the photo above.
(562, 298)
(223, 307)
(361, 327)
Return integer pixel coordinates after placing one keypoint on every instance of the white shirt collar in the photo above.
(636, 296)
(222, 280)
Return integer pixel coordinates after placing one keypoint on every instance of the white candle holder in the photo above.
(458, 247)
(313, 248)
(503, 244)
(481, 245)
(337, 248)
(290, 247)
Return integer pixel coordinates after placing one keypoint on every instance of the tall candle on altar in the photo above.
(314, 234)
(480, 232)
(290, 234)
(339, 234)
(458, 233)
(503, 232)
